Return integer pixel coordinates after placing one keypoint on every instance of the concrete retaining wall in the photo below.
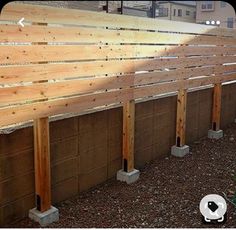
(86, 150)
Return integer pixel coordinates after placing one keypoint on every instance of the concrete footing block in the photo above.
(179, 151)
(128, 177)
(215, 134)
(44, 218)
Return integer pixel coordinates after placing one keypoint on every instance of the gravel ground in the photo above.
(166, 195)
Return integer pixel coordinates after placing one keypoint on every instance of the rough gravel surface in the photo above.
(166, 195)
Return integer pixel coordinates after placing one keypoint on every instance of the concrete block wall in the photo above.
(86, 150)
(154, 129)
(199, 113)
(228, 110)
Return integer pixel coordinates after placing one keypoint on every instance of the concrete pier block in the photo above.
(215, 134)
(44, 218)
(128, 177)
(179, 151)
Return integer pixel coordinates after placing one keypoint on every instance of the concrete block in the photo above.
(128, 177)
(179, 151)
(44, 218)
(215, 134)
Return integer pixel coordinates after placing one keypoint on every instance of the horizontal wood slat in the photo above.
(34, 33)
(46, 14)
(26, 112)
(60, 89)
(45, 53)
(74, 62)
(29, 73)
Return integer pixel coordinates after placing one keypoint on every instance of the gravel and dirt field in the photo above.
(166, 195)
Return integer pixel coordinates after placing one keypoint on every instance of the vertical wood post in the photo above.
(42, 164)
(42, 167)
(128, 136)
(216, 111)
(215, 132)
(181, 117)
(42, 155)
(216, 105)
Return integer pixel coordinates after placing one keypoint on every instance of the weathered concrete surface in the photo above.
(212, 134)
(44, 218)
(128, 177)
(179, 151)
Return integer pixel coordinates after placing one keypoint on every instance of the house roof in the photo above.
(186, 3)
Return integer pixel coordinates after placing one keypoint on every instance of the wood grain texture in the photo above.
(70, 63)
(42, 164)
(34, 72)
(197, 77)
(50, 53)
(181, 117)
(128, 135)
(16, 114)
(61, 89)
(25, 112)
(216, 111)
(46, 14)
(35, 33)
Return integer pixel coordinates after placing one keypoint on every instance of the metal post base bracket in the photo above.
(179, 151)
(128, 177)
(44, 218)
(215, 134)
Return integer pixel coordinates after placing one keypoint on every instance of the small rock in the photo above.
(67, 202)
(231, 139)
(231, 192)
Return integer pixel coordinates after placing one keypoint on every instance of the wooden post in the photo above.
(128, 135)
(216, 107)
(216, 111)
(181, 117)
(42, 155)
(181, 112)
(42, 164)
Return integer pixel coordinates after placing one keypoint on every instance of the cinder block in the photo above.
(44, 218)
(16, 187)
(128, 177)
(215, 134)
(65, 189)
(92, 178)
(18, 141)
(64, 170)
(62, 129)
(114, 166)
(179, 151)
(115, 116)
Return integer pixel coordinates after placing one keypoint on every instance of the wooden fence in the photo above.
(65, 61)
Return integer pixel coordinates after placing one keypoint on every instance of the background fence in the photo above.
(66, 61)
